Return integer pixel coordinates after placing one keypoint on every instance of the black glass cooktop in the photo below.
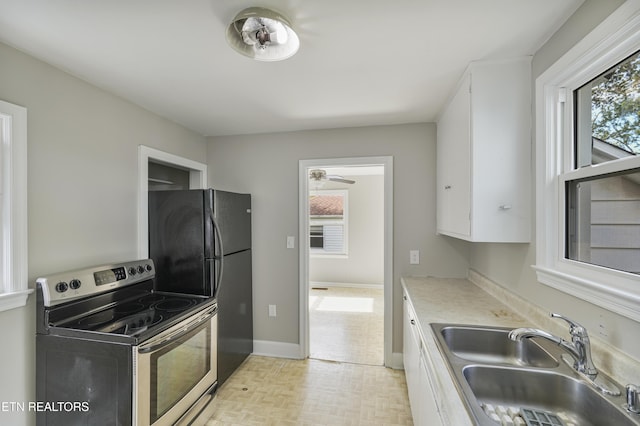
(134, 316)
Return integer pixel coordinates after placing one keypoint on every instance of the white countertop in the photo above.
(460, 301)
(457, 301)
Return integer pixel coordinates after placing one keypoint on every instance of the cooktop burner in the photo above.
(174, 305)
(114, 303)
(131, 317)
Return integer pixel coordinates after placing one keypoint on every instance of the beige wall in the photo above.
(510, 264)
(82, 200)
(267, 167)
(82, 183)
(365, 232)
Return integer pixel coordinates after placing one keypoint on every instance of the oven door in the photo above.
(174, 369)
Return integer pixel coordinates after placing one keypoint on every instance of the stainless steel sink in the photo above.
(543, 390)
(492, 345)
(489, 368)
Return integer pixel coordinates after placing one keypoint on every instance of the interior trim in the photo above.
(303, 248)
(197, 180)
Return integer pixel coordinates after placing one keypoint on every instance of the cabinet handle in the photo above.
(505, 207)
(413, 322)
(447, 187)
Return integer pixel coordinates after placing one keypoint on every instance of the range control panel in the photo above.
(66, 286)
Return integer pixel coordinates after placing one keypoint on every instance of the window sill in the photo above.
(329, 255)
(13, 300)
(618, 299)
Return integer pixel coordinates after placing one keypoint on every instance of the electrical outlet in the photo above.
(291, 242)
(272, 311)
(414, 257)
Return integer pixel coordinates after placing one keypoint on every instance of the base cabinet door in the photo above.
(411, 359)
(424, 408)
(428, 409)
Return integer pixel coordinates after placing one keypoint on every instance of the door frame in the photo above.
(197, 180)
(303, 250)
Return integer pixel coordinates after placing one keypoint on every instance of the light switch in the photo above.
(414, 257)
(272, 310)
(291, 242)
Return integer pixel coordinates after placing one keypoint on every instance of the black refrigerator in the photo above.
(200, 242)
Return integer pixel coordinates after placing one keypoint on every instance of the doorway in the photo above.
(345, 259)
(162, 170)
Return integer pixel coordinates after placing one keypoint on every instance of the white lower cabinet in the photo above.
(420, 384)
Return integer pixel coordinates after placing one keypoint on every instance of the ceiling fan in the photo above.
(319, 175)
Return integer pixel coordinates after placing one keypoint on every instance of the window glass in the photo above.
(603, 221)
(327, 222)
(603, 209)
(608, 114)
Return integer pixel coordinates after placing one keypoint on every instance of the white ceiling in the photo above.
(361, 62)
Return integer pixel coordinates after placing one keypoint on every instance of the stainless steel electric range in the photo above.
(113, 351)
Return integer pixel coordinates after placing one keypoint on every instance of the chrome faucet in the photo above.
(579, 347)
(633, 399)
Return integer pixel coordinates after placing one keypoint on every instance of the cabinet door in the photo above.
(411, 359)
(454, 165)
(416, 369)
(429, 413)
(501, 114)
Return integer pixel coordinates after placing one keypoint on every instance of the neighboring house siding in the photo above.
(615, 224)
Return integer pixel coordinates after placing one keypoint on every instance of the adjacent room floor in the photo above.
(347, 324)
(276, 391)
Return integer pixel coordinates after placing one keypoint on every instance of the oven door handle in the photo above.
(155, 344)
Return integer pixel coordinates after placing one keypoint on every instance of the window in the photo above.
(328, 222)
(603, 209)
(588, 167)
(13, 206)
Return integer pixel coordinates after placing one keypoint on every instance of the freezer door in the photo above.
(233, 215)
(177, 229)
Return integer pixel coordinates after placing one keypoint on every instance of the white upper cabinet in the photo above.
(484, 155)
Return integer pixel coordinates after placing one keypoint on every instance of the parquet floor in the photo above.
(347, 324)
(276, 391)
(343, 382)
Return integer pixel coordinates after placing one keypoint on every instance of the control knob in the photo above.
(75, 284)
(132, 271)
(140, 269)
(61, 287)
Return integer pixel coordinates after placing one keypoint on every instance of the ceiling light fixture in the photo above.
(262, 34)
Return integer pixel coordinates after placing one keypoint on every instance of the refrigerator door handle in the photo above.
(218, 236)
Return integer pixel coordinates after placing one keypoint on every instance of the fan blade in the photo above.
(340, 179)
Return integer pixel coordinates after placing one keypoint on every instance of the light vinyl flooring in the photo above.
(347, 324)
(276, 391)
(343, 383)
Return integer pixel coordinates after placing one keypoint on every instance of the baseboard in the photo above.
(292, 351)
(276, 349)
(349, 285)
(396, 362)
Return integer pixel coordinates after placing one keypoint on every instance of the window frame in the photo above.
(612, 41)
(315, 252)
(14, 282)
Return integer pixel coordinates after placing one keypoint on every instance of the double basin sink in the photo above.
(490, 370)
